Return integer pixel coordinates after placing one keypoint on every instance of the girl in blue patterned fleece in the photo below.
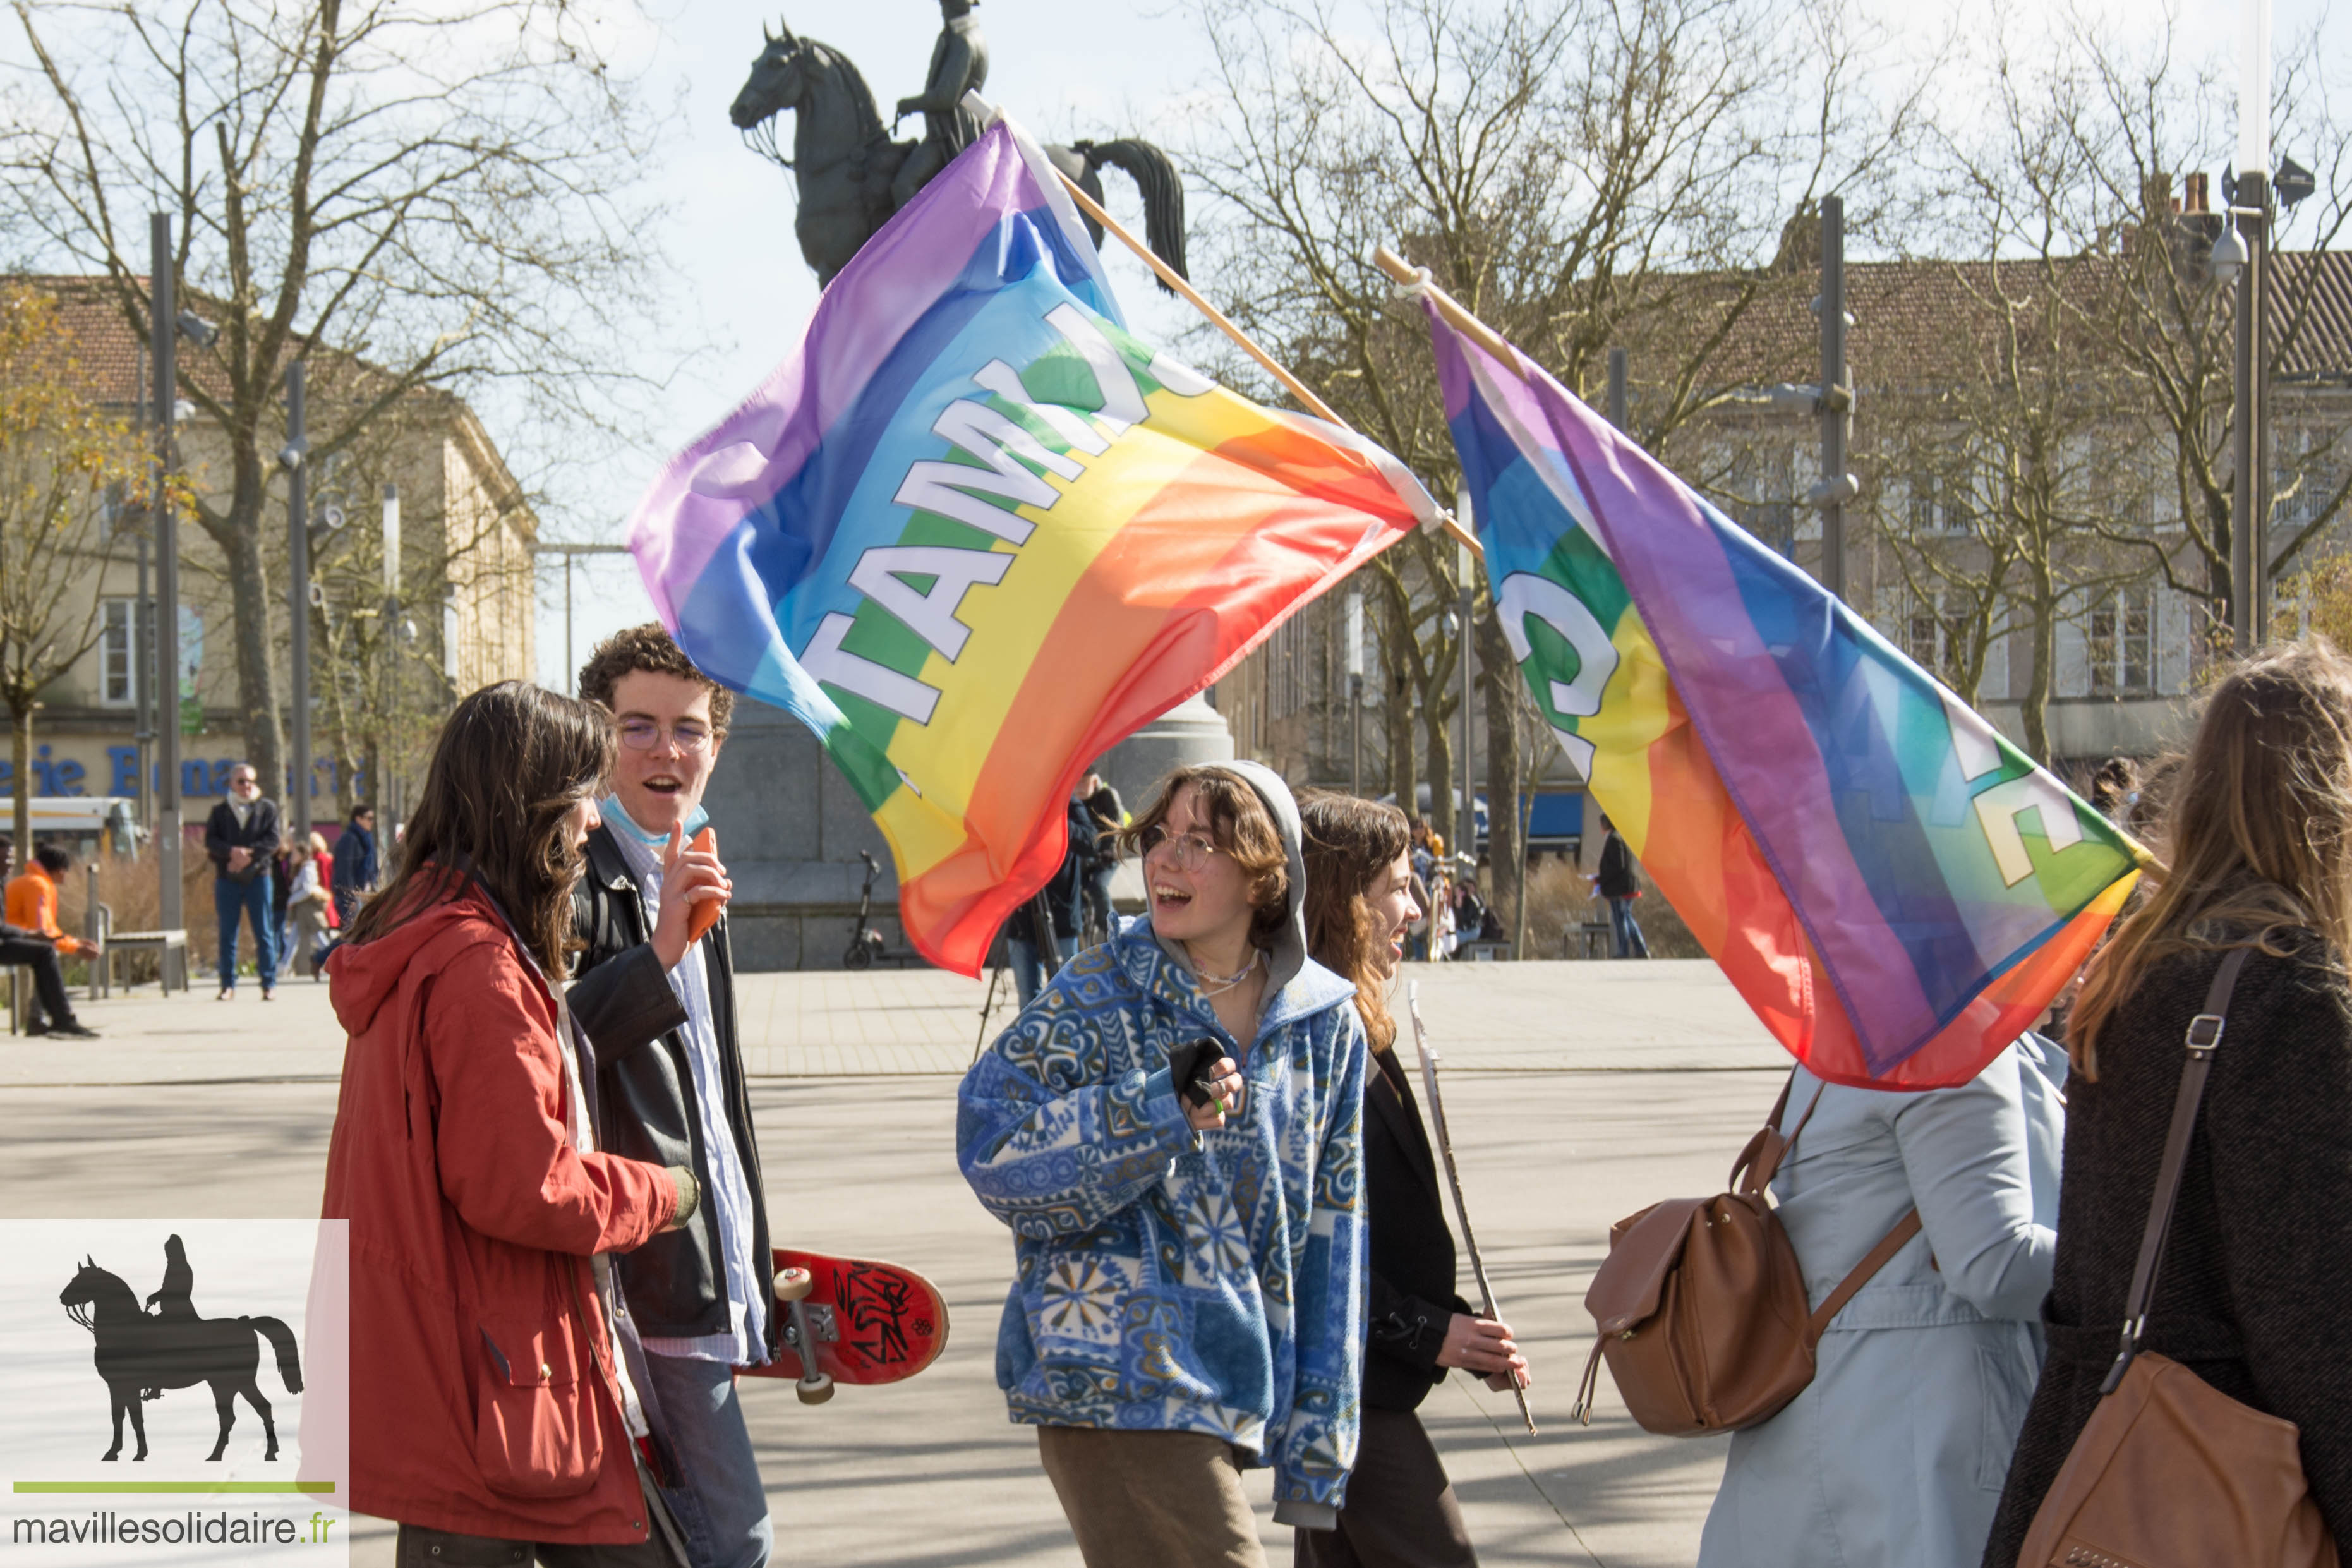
(1190, 1278)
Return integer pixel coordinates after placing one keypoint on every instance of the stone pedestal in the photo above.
(790, 829)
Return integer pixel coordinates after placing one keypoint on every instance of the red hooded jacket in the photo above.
(482, 1394)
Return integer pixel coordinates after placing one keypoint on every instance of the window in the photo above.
(1763, 487)
(118, 647)
(2121, 643)
(1938, 504)
(1936, 634)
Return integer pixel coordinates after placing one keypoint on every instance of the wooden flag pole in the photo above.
(1223, 323)
(1454, 1179)
(1457, 317)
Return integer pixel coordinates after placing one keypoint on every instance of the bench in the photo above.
(1482, 952)
(1594, 937)
(170, 948)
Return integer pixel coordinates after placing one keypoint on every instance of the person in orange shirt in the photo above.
(30, 938)
(32, 897)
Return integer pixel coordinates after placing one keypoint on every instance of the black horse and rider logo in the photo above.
(142, 1351)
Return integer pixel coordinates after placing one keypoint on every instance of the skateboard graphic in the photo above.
(869, 1322)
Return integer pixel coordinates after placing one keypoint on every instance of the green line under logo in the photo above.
(250, 1488)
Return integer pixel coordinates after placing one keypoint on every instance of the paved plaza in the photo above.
(1579, 1092)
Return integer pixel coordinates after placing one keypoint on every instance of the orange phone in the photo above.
(706, 912)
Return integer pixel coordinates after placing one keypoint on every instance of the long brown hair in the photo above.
(2256, 832)
(1242, 827)
(511, 762)
(1350, 846)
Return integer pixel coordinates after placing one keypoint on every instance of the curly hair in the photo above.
(648, 650)
(1350, 844)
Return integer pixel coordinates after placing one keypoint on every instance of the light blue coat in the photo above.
(1894, 1456)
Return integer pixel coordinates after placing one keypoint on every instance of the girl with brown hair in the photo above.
(1171, 1131)
(2257, 837)
(1401, 1508)
(493, 1411)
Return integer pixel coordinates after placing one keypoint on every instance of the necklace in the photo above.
(1218, 984)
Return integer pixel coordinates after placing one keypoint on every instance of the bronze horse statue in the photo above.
(138, 1351)
(844, 160)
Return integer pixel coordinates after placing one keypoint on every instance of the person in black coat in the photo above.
(2250, 1297)
(1400, 1507)
(242, 837)
(1024, 947)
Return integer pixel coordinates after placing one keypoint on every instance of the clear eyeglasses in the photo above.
(644, 735)
(1185, 851)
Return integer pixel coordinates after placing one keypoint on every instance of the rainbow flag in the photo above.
(1895, 888)
(975, 531)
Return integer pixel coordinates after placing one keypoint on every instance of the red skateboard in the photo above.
(870, 1323)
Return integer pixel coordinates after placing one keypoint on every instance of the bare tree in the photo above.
(450, 194)
(1581, 174)
(60, 456)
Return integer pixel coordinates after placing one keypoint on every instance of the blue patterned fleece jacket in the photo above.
(1160, 1287)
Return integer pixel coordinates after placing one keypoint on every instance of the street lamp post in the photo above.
(388, 642)
(298, 557)
(1356, 690)
(2249, 221)
(162, 322)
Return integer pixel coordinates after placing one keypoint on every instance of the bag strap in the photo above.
(1876, 1259)
(2204, 1037)
(1765, 1152)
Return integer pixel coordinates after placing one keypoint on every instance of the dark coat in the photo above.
(2252, 1293)
(1062, 894)
(1413, 1265)
(645, 1089)
(1617, 878)
(260, 833)
(356, 867)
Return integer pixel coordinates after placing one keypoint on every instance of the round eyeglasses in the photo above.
(644, 735)
(1185, 851)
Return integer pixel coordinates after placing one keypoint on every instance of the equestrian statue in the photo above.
(172, 1347)
(852, 175)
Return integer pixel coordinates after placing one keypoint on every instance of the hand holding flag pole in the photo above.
(1453, 1180)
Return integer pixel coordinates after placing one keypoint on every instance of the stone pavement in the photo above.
(1581, 1092)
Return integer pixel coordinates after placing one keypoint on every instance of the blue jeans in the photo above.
(1627, 933)
(251, 899)
(721, 1505)
(1028, 966)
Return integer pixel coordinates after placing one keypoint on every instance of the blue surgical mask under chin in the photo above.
(610, 808)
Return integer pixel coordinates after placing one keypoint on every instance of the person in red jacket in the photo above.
(493, 1412)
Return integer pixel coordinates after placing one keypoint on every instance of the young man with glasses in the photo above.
(659, 1010)
(242, 837)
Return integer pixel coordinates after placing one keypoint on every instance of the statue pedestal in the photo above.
(790, 829)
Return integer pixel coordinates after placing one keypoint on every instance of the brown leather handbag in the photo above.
(2170, 1472)
(1700, 1305)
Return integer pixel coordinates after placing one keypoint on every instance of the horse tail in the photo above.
(281, 1338)
(1163, 194)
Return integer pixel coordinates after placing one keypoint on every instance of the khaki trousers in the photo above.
(1152, 1499)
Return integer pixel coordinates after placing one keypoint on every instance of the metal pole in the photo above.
(142, 654)
(1617, 387)
(1356, 690)
(1466, 839)
(386, 802)
(2249, 498)
(1834, 408)
(163, 312)
(571, 659)
(299, 773)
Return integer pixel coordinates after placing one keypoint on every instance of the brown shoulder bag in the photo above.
(1700, 1305)
(2170, 1472)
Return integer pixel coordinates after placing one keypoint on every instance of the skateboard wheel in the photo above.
(814, 1390)
(793, 1284)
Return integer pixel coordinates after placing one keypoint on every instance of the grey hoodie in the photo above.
(1289, 954)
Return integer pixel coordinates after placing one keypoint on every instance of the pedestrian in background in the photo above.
(242, 837)
(495, 1413)
(1025, 944)
(306, 908)
(1171, 1132)
(1892, 1455)
(1619, 882)
(2256, 851)
(1108, 815)
(355, 863)
(30, 938)
(1400, 1506)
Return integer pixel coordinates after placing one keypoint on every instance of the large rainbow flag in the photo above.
(1895, 888)
(975, 531)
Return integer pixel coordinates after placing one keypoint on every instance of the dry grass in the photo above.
(1560, 899)
(130, 889)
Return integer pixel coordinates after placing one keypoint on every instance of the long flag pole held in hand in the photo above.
(1454, 1179)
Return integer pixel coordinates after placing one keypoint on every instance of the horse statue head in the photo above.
(91, 1291)
(779, 81)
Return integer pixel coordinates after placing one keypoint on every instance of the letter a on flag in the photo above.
(975, 531)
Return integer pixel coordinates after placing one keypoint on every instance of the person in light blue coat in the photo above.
(1894, 1456)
